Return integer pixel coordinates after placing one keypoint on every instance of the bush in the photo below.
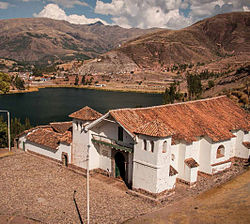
(210, 84)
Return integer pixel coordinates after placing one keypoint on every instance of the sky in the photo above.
(171, 14)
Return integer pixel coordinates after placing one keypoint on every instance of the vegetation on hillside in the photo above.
(5, 82)
(194, 86)
(172, 94)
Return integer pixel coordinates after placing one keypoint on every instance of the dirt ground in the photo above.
(36, 190)
(228, 203)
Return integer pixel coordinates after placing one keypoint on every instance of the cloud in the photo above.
(172, 14)
(53, 11)
(144, 14)
(4, 5)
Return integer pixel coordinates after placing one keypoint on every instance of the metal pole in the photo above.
(88, 185)
(9, 129)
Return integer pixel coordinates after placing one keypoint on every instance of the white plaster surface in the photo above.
(49, 152)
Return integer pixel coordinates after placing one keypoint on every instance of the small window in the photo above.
(76, 125)
(120, 134)
(145, 144)
(152, 146)
(220, 151)
(164, 147)
(172, 157)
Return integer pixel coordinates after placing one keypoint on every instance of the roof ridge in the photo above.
(167, 105)
(60, 122)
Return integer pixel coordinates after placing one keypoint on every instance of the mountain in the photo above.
(43, 39)
(206, 41)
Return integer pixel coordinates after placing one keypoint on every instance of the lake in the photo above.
(55, 104)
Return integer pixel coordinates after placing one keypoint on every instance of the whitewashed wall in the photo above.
(105, 158)
(175, 156)
(171, 182)
(79, 144)
(195, 150)
(221, 167)
(151, 169)
(109, 130)
(45, 151)
(240, 150)
(205, 155)
(181, 158)
(21, 141)
(190, 174)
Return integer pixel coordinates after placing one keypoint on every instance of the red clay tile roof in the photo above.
(214, 117)
(66, 137)
(86, 114)
(191, 163)
(48, 138)
(153, 128)
(48, 127)
(246, 144)
(172, 171)
(61, 127)
(44, 137)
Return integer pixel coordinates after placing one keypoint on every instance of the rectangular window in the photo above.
(120, 134)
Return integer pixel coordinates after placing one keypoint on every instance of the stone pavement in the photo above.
(16, 220)
(40, 190)
(37, 190)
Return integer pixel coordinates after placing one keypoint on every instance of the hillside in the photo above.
(209, 40)
(43, 39)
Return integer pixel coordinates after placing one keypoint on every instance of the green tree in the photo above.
(16, 127)
(3, 133)
(210, 84)
(76, 80)
(194, 86)
(19, 83)
(27, 124)
(83, 80)
(5, 81)
(171, 93)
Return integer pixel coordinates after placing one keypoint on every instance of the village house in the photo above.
(151, 148)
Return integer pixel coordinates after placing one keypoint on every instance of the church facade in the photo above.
(152, 148)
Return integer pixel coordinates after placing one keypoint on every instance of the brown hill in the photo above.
(209, 40)
(38, 39)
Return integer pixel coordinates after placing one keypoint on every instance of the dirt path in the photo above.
(228, 203)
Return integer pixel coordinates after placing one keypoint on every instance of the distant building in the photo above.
(152, 148)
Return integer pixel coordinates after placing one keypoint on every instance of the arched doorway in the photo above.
(120, 165)
(65, 159)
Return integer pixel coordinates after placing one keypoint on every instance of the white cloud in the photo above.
(4, 5)
(144, 14)
(166, 13)
(53, 11)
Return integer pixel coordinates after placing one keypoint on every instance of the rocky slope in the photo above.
(42, 39)
(209, 40)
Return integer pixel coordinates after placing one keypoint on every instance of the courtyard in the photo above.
(43, 191)
(37, 190)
